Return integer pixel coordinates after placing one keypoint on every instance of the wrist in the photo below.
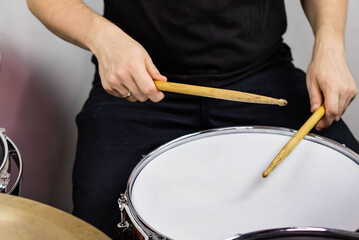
(101, 34)
(328, 42)
(330, 36)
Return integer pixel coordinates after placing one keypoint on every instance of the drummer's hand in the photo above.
(124, 65)
(328, 75)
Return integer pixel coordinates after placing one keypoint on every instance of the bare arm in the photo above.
(328, 75)
(124, 65)
(71, 20)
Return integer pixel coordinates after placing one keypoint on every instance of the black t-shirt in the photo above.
(205, 42)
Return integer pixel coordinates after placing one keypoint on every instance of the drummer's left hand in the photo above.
(328, 75)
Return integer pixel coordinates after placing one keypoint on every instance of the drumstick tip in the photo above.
(265, 174)
(282, 102)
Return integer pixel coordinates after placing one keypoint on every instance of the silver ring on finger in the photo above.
(128, 94)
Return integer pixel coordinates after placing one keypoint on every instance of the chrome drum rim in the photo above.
(4, 148)
(308, 232)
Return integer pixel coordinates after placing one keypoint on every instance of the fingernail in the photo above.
(314, 106)
(318, 129)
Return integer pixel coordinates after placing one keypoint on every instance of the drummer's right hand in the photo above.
(125, 66)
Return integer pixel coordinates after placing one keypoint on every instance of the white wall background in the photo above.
(44, 82)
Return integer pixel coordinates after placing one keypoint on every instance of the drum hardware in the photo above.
(123, 225)
(121, 201)
(4, 180)
(130, 227)
(10, 153)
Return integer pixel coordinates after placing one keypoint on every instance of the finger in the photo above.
(146, 85)
(105, 84)
(131, 99)
(123, 83)
(109, 89)
(331, 104)
(315, 94)
(347, 103)
(129, 96)
(148, 88)
(153, 71)
(342, 105)
(350, 97)
(135, 90)
(323, 123)
(122, 91)
(114, 92)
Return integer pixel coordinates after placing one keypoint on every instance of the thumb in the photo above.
(315, 94)
(153, 71)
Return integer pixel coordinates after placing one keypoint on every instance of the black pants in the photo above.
(114, 134)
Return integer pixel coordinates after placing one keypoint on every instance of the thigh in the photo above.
(280, 81)
(340, 133)
(113, 135)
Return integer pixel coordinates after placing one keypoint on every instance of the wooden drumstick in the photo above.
(223, 94)
(292, 143)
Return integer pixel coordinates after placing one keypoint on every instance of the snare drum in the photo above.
(209, 185)
(8, 154)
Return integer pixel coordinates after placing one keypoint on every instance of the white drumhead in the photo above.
(211, 187)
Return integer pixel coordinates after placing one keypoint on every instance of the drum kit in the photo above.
(209, 185)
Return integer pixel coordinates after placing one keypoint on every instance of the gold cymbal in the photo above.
(26, 219)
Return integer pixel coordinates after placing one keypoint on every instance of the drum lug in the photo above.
(122, 201)
(123, 226)
(129, 228)
(124, 230)
(4, 180)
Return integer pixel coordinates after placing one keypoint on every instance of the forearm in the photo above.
(125, 68)
(327, 19)
(71, 20)
(329, 80)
